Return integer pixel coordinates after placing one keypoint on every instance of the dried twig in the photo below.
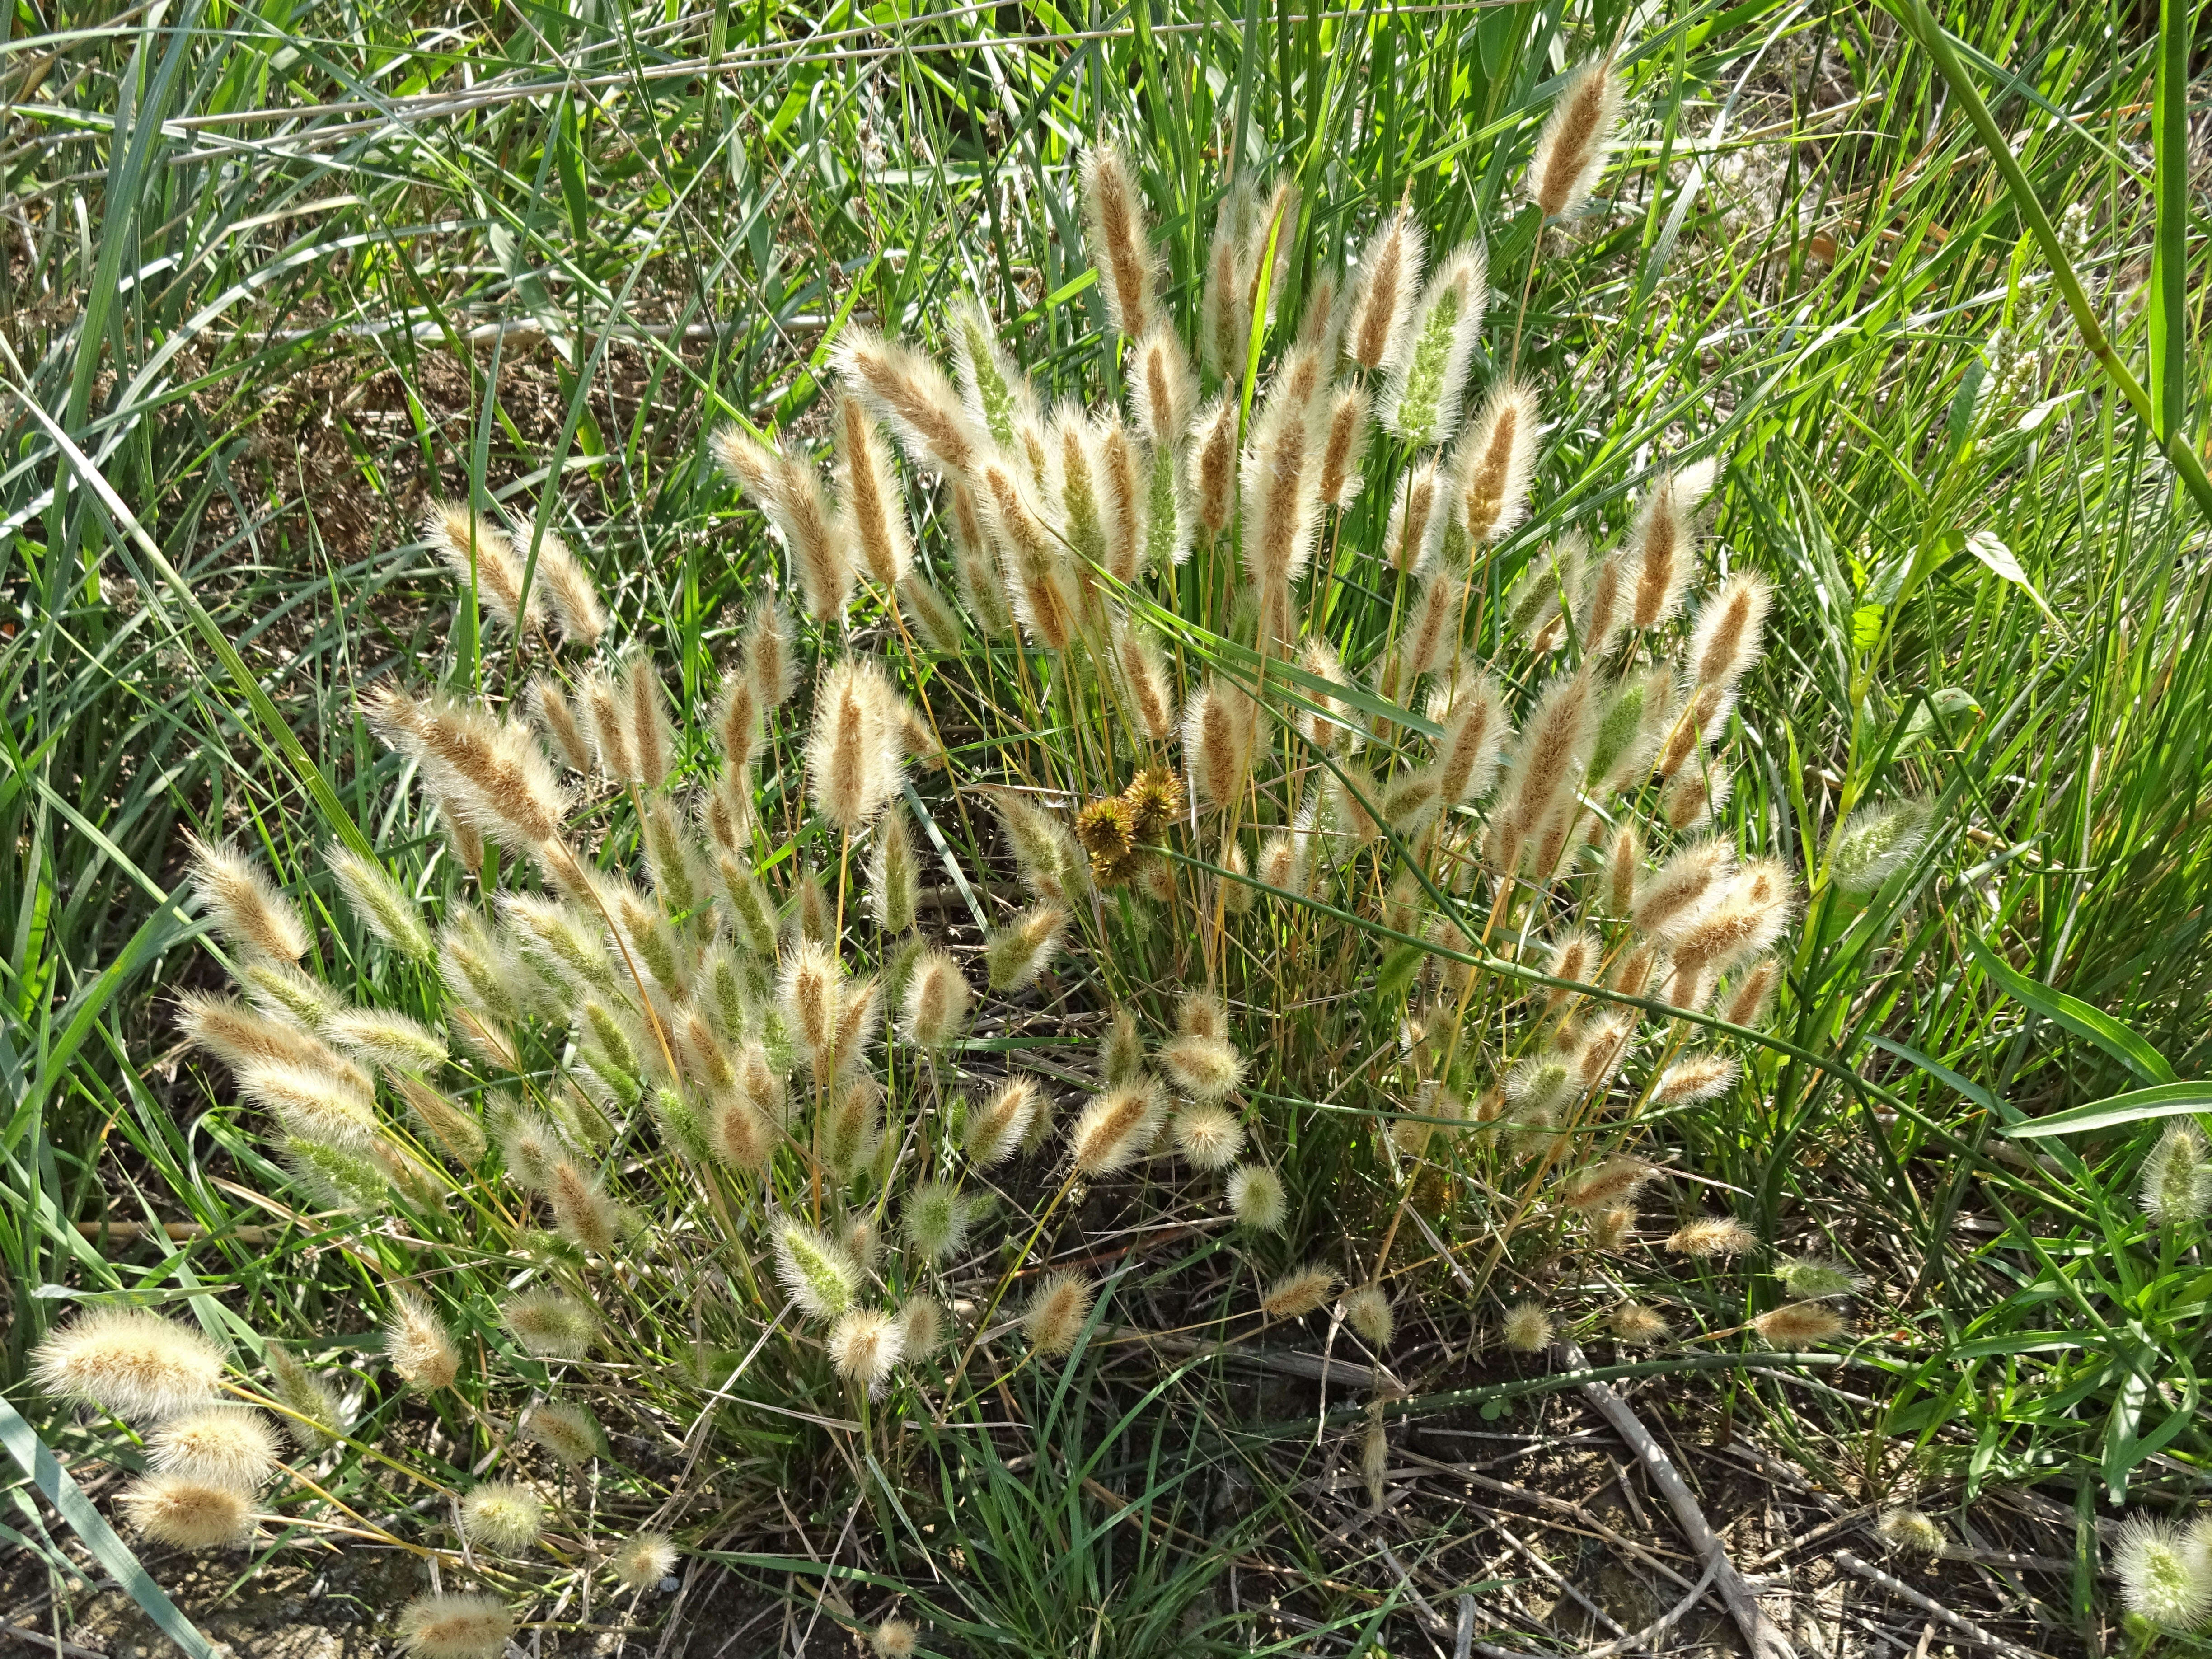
(1926, 1603)
(1764, 1640)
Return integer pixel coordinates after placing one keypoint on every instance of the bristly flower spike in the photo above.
(1385, 282)
(249, 912)
(1421, 402)
(874, 507)
(1570, 151)
(1114, 226)
(788, 491)
(1493, 463)
(855, 754)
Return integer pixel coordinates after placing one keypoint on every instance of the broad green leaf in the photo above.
(2168, 1100)
(2001, 561)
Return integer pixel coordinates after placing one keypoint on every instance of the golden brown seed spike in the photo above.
(1217, 740)
(1474, 734)
(1604, 608)
(1554, 747)
(1163, 389)
(1344, 449)
(1383, 288)
(1116, 1126)
(1570, 151)
(1114, 225)
(490, 773)
(603, 718)
(873, 505)
(1624, 866)
(1044, 593)
(1410, 538)
(1282, 505)
(1143, 675)
(909, 392)
(478, 553)
(1670, 900)
(557, 720)
(789, 492)
(1432, 635)
(1057, 1314)
(737, 720)
(1121, 500)
(1213, 465)
(981, 584)
(855, 758)
(1280, 220)
(1725, 641)
(568, 589)
(249, 912)
(650, 741)
(1663, 544)
(1495, 462)
(1299, 1292)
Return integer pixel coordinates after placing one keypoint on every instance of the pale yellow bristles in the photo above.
(789, 491)
(1057, 1312)
(188, 1513)
(1217, 740)
(127, 1361)
(1115, 1128)
(1163, 389)
(1299, 1292)
(1121, 500)
(1725, 641)
(908, 391)
(417, 1345)
(455, 1626)
(855, 759)
(556, 719)
(1570, 151)
(1384, 285)
(1410, 538)
(480, 554)
(874, 507)
(246, 909)
(1492, 464)
(1114, 225)
(1344, 448)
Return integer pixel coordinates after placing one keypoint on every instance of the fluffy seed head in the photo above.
(128, 1362)
(1207, 1069)
(417, 1345)
(249, 912)
(1217, 739)
(380, 904)
(1057, 1312)
(819, 1274)
(1725, 641)
(1571, 150)
(501, 1516)
(569, 1432)
(1155, 799)
(2177, 1180)
(645, 1559)
(997, 1129)
(1875, 842)
(894, 1638)
(921, 1326)
(1661, 545)
(2165, 1573)
(481, 556)
(1798, 1324)
(1113, 228)
(1163, 389)
(1344, 448)
(1256, 1197)
(221, 1445)
(1910, 1532)
(455, 1626)
(1670, 900)
(1415, 524)
(189, 1513)
(1384, 283)
(874, 507)
(489, 775)
(864, 1345)
(1280, 481)
(1552, 752)
(1812, 1277)
(1612, 1182)
(1421, 400)
(1115, 1128)
(935, 1220)
(1638, 1326)
(1695, 1077)
(1494, 462)
(567, 586)
(583, 1212)
(1710, 1236)
(1526, 1328)
(935, 1005)
(1208, 1135)
(1299, 1292)
(903, 387)
(1752, 993)
(313, 1403)
(1016, 954)
(1213, 465)
(855, 759)
(788, 491)
(1368, 1311)
(551, 1324)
